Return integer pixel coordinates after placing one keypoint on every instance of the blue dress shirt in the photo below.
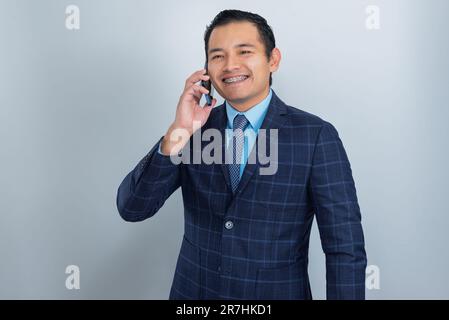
(255, 116)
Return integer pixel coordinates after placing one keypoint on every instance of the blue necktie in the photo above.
(240, 122)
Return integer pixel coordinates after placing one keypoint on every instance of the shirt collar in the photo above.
(255, 114)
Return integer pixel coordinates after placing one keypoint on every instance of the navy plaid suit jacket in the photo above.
(263, 253)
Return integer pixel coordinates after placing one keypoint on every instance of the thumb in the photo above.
(214, 102)
(207, 108)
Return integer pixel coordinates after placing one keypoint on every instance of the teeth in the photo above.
(235, 79)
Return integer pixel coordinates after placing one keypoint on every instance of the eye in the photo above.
(217, 56)
(245, 52)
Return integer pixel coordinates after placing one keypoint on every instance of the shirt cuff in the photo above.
(159, 149)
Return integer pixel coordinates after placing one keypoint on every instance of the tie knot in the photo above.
(240, 122)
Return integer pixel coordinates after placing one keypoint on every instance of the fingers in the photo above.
(195, 77)
(196, 91)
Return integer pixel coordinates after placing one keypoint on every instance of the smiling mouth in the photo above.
(237, 79)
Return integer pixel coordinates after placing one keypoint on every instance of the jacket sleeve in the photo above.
(145, 189)
(334, 198)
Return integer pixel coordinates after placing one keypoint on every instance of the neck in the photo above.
(245, 105)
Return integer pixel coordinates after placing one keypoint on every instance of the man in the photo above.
(246, 233)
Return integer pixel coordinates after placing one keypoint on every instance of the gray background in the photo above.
(79, 109)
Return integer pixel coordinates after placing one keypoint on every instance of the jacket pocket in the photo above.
(186, 282)
(286, 283)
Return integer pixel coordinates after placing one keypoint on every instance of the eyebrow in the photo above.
(236, 46)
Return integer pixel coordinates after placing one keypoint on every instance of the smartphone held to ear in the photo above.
(208, 86)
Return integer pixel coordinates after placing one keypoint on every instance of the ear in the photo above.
(275, 59)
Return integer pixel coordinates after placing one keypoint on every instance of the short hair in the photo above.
(228, 16)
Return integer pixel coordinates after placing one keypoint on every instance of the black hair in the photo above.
(228, 16)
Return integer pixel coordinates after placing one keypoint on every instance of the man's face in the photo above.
(238, 66)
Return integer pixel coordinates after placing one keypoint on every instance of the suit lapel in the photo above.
(219, 121)
(274, 119)
(222, 126)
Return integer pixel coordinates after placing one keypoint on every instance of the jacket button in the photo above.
(229, 225)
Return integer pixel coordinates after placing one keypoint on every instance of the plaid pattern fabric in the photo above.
(254, 244)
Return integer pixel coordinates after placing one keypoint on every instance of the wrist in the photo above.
(175, 139)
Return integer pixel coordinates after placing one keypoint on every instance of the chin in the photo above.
(237, 97)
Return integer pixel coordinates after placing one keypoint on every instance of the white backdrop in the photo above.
(80, 108)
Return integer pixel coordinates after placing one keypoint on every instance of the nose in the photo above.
(231, 64)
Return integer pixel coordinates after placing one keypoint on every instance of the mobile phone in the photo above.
(208, 86)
